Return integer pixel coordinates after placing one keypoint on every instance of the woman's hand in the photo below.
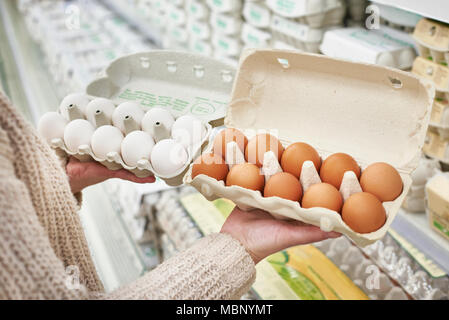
(263, 235)
(84, 174)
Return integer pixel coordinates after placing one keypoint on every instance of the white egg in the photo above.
(100, 108)
(188, 130)
(157, 117)
(125, 110)
(136, 146)
(51, 126)
(106, 139)
(76, 133)
(78, 99)
(168, 157)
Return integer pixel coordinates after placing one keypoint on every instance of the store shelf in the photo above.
(135, 19)
(24, 77)
(415, 228)
(116, 255)
(435, 9)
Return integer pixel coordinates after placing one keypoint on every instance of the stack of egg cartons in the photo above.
(415, 199)
(433, 44)
(301, 24)
(154, 11)
(176, 35)
(198, 27)
(255, 30)
(226, 23)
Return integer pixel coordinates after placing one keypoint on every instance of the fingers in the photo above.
(297, 235)
(126, 175)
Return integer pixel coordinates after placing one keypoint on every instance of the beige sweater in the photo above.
(42, 241)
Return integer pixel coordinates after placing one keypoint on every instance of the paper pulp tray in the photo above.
(185, 83)
(371, 112)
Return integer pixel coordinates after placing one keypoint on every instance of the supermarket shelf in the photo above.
(135, 19)
(116, 256)
(435, 9)
(29, 85)
(415, 228)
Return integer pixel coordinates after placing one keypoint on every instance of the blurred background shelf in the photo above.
(435, 9)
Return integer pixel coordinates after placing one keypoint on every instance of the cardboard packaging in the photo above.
(257, 14)
(436, 147)
(198, 10)
(437, 193)
(383, 46)
(254, 37)
(300, 36)
(185, 83)
(225, 6)
(315, 13)
(432, 34)
(371, 112)
(439, 119)
(226, 24)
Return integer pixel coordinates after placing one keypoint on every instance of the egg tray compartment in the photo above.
(114, 161)
(177, 75)
(285, 89)
(315, 13)
(439, 57)
(327, 220)
(434, 139)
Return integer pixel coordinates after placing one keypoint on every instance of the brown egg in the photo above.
(322, 195)
(382, 180)
(283, 185)
(211, 165)
(363, 212)
(294, 156)
(335, 166)
(260, 144)
(227, 135)
(246, 175)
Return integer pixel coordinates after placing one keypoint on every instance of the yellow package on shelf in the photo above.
(298, 273)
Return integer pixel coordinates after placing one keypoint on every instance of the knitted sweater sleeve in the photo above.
(216, 267)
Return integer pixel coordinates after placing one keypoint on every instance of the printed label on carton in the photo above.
(438, 202)
(296, 30)
(437, 73)
(433, 34)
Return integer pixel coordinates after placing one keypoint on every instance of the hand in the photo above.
(262, 235)
(84, 174)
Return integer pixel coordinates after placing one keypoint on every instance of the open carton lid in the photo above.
(371, 112)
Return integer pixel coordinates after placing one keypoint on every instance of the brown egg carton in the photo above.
(371, 112)
(432, 38)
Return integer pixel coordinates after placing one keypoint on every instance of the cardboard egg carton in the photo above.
(433, 40)
(228, 46)
(385, 46)
(257, 14)
(314, 13)
(324, 109)
(437, 195)
(184, 83)
(436, 147)
(356, 9)
(439, 119)
(300, 36)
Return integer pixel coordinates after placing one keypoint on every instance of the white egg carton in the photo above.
(225, 6)
(315, 13)
(228, 46)
(317, 99)
(384, 46)
(197, 10)
(183, 83)
(226, 24)
(361, 270)
(257, 14)
(198, 30)
(255, 37)
(201, 47)
(300, 36)
(176, 16)
(398, 17)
